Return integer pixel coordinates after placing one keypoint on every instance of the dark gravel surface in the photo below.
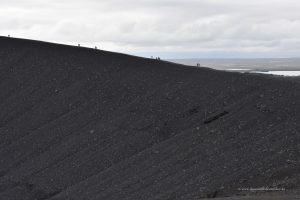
(78, 123)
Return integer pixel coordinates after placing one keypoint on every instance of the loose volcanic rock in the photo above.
(79, 123)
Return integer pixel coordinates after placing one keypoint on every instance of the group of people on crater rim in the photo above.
(156, 58)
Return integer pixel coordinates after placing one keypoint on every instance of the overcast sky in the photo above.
(166, 28)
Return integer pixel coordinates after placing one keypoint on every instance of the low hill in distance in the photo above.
(79, 123)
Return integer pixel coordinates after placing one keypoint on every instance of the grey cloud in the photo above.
(159, 25)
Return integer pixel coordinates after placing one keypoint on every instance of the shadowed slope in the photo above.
(78, 123)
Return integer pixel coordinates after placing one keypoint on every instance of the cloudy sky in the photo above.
(166, 28)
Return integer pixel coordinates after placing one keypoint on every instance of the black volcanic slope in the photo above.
(78, 123)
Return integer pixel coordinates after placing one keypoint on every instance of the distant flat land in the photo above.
(255, 64)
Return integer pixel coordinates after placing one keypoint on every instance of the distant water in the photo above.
(282, 73)
(278, 66)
